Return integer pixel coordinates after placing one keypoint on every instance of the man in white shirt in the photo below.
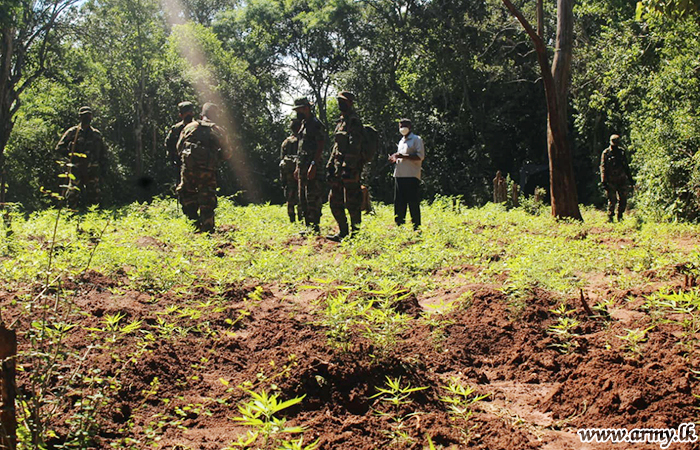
(408, 160)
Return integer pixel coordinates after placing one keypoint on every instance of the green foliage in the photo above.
(672, 8)
(260, 414)
(680, 308)
(565, 328)
(461, 400)
(633, 340)
(666, 129)
(395, 397)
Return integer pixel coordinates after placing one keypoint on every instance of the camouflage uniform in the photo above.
(174, 135)
(288, 163)
(616, 177)
(310, 199)
(344, 170)
(202, 146)
(78, 141)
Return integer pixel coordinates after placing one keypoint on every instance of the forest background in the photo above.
(464, 71)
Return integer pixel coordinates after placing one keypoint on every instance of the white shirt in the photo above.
(409, 168)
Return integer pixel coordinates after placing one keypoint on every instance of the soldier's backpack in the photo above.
(200, 149)
(370, 143)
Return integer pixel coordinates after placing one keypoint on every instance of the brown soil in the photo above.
(538, 395)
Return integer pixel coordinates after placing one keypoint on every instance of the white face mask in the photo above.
(404, 131)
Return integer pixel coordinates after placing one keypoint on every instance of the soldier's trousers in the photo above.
(346, 194)
(87, 181)
(616, 192)
(310, 197)
(197, 194)
(291, 194)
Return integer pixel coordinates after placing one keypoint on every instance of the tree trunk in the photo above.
(8, 420)
(562, 185)
(561, 171)
(6, 96)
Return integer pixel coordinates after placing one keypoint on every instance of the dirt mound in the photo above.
(179, 363)
(618, 387)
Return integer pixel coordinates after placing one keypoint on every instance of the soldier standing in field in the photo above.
(202, 147)
(186, 112)
(86, 151)
(616, 177)
(288, 163)
(345, 167)
(312, 136)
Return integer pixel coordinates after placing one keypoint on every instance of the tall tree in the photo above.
(308, 39)
(125, 39)
(29, 33)
(556, 86)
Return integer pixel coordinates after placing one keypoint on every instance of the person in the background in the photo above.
(616, 177)
(345, 168)
(202, 147)
(312, 137)
(408, 160)
(288, 163)
(85, 149)
(186, 113)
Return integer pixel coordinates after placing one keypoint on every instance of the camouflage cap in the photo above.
(614, 139)
(184, 107)
(84, 110)
(346, 95)
(301, 102)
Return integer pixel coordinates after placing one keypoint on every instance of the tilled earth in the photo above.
(179, 386)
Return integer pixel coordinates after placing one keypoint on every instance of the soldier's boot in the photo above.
(354, 229)
(611, 217)
(311, 228)
(290, 212)
(355, 221)
(191, 210)
(206, 221)
(622, 206)
(342, 232)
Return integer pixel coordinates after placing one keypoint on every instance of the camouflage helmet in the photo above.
(84, 110)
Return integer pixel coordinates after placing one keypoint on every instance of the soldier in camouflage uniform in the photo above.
(345, 166)
(85, 149)
(288, 164)
(616, 177)
(186, 112)
(312, 137)
(202, 147)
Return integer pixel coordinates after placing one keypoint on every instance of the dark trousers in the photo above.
(406, 194)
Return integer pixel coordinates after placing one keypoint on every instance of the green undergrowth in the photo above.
(156, 248)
